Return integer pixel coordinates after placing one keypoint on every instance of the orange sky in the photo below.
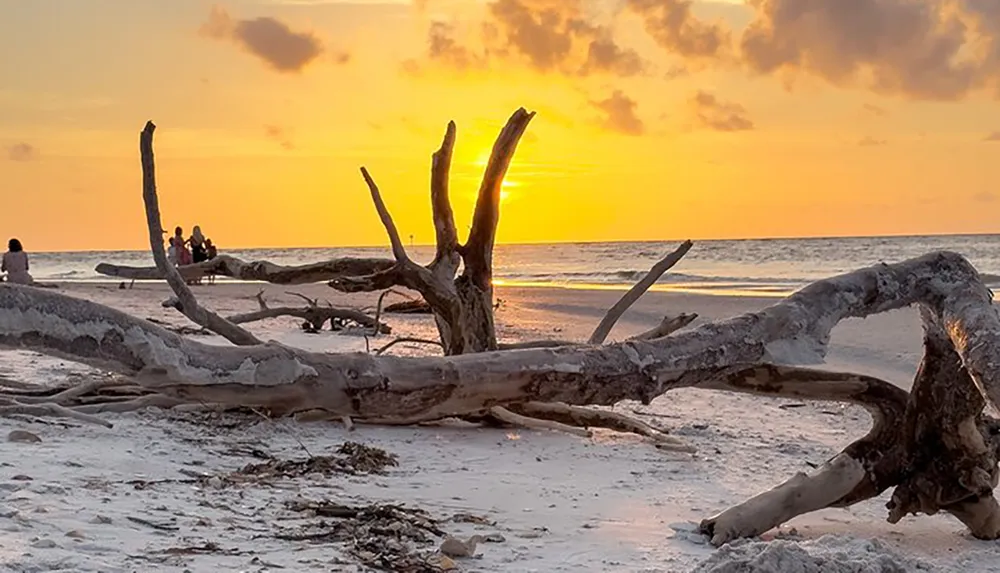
(657, 119)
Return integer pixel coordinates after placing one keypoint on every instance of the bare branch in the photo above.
(407, 339)
(398, 250)
(669, 325)
(261, 303)
(381, 280)
(801, 494)
(478, 249)
(594, 418)
(188, 304)
(309, 301)
(505, 415)
(315, 315)
(11, 408)
(628, 299)
(446, 258)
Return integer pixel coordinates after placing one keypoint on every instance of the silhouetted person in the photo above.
(197, 242)
(15, 264)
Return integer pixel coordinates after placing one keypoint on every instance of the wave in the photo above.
(632, 276)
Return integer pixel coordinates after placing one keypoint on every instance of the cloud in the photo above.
(604, 55)
(995, 136)
(869, 141)
(443, 47)
(678, 31)
(986, 197)
(918, 49)
(22, 152)
(713, 113)
(269, 39)
(545, 35)
(619, 111)
(280, 135)
(875, 110)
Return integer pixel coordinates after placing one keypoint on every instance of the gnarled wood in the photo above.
(940, 461)
(262, 271)
(462, 305)
(314, 314)
(935, 446)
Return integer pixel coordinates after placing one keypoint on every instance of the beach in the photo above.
(560, 502)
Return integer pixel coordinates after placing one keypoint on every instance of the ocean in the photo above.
(760, 267)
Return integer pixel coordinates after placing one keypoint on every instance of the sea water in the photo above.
(750, 267)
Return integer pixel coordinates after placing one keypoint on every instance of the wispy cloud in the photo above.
(995, 136)
(279, 134)
(713, 113)
(875, 110)
(869, 141)
(22, 152)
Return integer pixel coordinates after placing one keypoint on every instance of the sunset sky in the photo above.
(657, 119)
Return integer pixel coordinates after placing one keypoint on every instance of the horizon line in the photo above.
(591, 242)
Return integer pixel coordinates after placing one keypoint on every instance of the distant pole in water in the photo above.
(411, 239)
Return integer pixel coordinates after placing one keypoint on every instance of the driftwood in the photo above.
(314, 314)
(935, 446)
(463, 304)
(264, 271)
(409, 307)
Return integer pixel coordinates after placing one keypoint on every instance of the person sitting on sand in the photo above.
(211, 252)
(15, 264)
(172, 252)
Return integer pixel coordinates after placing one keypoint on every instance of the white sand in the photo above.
(610, 504)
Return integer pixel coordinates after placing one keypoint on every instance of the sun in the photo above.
(507, 185)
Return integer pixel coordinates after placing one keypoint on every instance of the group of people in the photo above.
(195, 249)
(15, 264)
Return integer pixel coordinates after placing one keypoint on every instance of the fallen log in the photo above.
(262, 271)
(935, 445)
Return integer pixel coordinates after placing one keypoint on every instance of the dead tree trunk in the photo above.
(264, 271)
(463, 304)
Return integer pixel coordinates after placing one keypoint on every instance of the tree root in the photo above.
(509, 417)
(10, 407)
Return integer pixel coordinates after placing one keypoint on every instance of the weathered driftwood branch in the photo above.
(462, 305)
(592, 418)
(942, 457)
(669, 325)
(187, 303)
(628, 299)
(263, 271)
(314, 314)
